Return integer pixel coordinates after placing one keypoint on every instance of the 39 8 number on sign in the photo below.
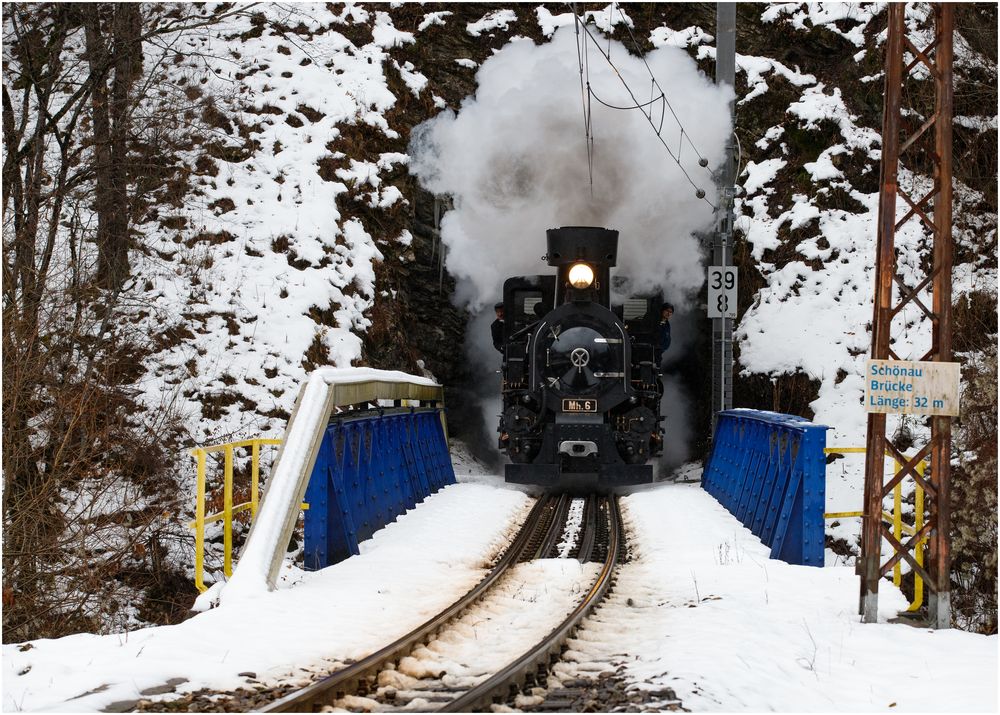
(722, 292)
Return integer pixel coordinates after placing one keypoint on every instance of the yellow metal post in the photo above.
(842, 514)
(897, 524)
(254, 477)
(918, 523)
(898, 527)
(227, 510)
(199, 524)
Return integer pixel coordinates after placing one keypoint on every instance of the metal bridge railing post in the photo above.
(254, 477)
(918, 524)
(227, 511)
(897, 524)
(896, 519)
(199, 523)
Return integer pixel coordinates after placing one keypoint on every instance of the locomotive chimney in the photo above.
(579, 253)
(569, 244)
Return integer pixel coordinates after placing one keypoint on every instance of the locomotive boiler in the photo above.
(581, 390)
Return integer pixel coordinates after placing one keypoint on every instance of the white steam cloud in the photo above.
(514, 159)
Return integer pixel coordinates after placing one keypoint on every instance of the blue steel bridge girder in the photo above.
(370, 470)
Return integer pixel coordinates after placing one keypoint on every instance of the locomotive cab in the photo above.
(579, 412)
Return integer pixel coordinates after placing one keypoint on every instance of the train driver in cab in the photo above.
(497, 327)
(663, 341)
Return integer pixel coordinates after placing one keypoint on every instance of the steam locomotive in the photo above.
(581, 390)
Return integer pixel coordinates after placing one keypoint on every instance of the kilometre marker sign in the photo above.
(912, 388)
(722, 292)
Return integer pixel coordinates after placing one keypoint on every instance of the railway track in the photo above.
(598, 537)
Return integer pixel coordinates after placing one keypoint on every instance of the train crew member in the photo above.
(666, 312)
(497, 327)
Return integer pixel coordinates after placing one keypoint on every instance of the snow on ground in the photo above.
(804, 16)
(699, 608)
(702, 609)
(604, 20)
(574, 524)
(498, 20)
(405, 573)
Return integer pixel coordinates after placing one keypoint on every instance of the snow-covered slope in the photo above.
(266, 275)
(291, 236)
(269, 275)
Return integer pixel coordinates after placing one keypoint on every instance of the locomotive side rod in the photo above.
(513, 676)
(320, 693)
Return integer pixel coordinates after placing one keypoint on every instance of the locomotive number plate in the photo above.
(579, 405)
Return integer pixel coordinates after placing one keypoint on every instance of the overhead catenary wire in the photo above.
(649, 104)
(631, 106)
(702, 161)
(585, 99)
(699, 192)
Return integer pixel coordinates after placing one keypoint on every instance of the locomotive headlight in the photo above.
(581, 275)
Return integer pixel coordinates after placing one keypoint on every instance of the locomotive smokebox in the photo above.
(571, 244)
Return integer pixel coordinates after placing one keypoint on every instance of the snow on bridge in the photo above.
(700, 608)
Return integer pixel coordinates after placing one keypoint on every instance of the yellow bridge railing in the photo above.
(896, 519)
(228, 509)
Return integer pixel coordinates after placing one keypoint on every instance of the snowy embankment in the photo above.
(699, 609)
(263, 251)
(811, 228)
(405, 573)
(702, 609)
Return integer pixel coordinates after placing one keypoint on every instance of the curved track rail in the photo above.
(318, 694)
(537, 538)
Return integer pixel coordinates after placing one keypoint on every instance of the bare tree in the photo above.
(85, 470)
(114, 53)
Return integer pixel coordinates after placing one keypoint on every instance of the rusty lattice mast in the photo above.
(934, 210)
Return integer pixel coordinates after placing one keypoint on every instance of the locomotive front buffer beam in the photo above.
(603, 481)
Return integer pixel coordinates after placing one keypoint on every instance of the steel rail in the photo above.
(321, 692)
(515, 673)
(540, 533)
(588, 532)
(551, 541)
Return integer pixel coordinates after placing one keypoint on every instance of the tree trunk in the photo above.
(112, 114)
(127, 59)
(97, 57)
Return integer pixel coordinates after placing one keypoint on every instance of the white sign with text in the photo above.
(910, 387)
(722, 291)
